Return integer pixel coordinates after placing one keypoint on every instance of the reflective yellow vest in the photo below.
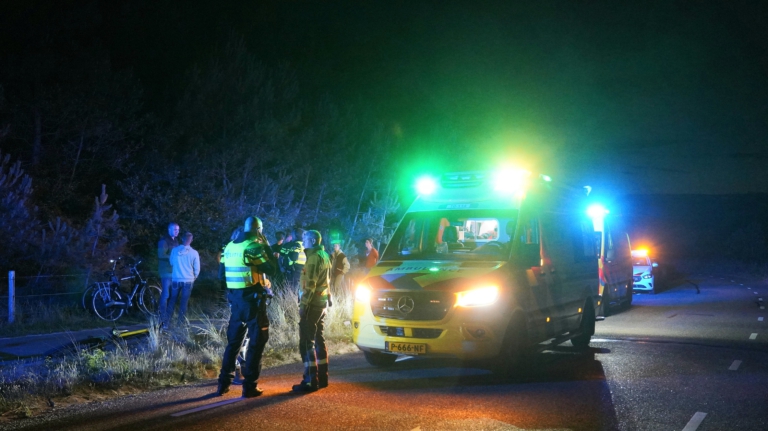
(237, 273)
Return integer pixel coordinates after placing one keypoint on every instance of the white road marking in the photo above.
(733, 281)
(209, 406)
(753, 336)
(735, 365)
(695, 421)
(741, 284)
(759, 319)
(762, 307)
(749, 288)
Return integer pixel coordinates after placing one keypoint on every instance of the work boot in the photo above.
(304, 387)
(250, 391)
(222, 389)
(323, 384)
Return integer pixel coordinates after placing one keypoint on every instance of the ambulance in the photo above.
(483, 265)
(614, 258)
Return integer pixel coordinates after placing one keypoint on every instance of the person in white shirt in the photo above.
(186, 267)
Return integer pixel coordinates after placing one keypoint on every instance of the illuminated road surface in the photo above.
(674, 361)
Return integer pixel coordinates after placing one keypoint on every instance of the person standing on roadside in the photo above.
(247, 262)
(371, 254)
(339, 267)
(164, 268)
(186, 267)
(295, 258)
(312, 304)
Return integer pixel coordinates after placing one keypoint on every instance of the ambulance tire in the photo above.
(515, 358)
(606, 303)
(628, 302)
(380, 359)
(586, 328)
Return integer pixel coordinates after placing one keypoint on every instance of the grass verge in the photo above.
(158, 360)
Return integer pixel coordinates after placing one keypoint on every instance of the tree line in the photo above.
(90, 172)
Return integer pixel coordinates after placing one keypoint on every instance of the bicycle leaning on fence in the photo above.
(107, 302)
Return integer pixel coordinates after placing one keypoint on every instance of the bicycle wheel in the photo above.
(149, 299)
(108, 303)
(87, 300)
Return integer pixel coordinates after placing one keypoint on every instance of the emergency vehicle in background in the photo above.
(482, 266)
(644, 271)
(614, 256)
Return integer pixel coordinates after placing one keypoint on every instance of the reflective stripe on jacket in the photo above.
(240, 261)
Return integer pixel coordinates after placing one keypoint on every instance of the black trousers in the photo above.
(249, 314)
(312, 347)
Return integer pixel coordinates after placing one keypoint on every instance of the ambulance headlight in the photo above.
(363, 293)
(478, 297)
(647, 276)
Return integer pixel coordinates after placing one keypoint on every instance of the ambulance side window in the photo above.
(610, 250)
(586, 242)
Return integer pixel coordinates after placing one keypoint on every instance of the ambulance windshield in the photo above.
(453, 235)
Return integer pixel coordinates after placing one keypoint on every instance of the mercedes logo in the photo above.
(405, 304)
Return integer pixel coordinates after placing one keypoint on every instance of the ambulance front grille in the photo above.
(411, 305)
(415, 332)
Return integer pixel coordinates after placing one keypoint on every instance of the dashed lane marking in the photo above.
(759, 319)
(695, 421)
(735, 365)
(753, 336)
(749, 288)
(207, 407)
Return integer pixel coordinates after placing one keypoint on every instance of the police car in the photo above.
(643, 272)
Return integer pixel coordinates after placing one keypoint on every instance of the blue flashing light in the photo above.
(426, 185)
(597, 211)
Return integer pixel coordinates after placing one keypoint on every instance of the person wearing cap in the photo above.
(247, 263)
(312, 304)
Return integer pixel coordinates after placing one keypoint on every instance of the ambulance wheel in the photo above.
(606, 303)
(516, 353)
(586, 328)
(380, 359)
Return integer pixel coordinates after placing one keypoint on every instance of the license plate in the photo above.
(405, 348)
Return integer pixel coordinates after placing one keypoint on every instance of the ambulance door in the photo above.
(617, 266)
(527, 253)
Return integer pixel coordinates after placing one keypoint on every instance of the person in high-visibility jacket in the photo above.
(294, 257)
(314, 300)
(247, 262)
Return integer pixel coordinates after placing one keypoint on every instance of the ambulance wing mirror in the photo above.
(655, 264)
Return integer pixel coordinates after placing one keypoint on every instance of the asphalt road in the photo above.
(677, 360)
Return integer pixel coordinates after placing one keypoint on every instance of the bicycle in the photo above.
(87, 299)
(108, 302)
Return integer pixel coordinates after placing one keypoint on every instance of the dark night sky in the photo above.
(641, 96)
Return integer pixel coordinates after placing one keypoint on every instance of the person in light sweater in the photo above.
(186, 267)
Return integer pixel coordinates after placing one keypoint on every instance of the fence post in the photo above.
(11, 296)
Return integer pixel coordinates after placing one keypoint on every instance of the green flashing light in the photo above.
(426, 185)
(546, 178)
